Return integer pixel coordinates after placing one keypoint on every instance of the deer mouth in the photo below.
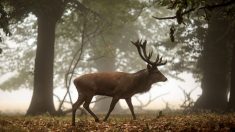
(165, 80)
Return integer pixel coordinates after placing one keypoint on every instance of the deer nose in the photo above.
(165, 79)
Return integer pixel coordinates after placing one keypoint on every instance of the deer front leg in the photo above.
(129, 103)
(112, 105)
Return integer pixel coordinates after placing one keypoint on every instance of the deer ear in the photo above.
(149, 67)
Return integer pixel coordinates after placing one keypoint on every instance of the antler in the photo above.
(141, 47)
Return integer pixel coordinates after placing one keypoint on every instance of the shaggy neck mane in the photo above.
(142, 81)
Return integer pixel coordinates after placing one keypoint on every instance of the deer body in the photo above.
(118, 85)
(123, 85)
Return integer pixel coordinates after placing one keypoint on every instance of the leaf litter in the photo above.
(151, 123)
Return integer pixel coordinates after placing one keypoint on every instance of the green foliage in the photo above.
(13, 12)
(4, 23)
(21, 80)
(190, 37)
(16, 10)
(18, 56)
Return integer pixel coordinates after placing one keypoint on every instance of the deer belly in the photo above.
(107, 91)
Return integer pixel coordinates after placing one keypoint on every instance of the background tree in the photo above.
(4, 23)
(215, 58)
(47, 13)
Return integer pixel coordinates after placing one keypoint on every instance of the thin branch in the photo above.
(84, 36)
(71, 69)
(174, 17)
(70, 98)
(188, 101)
(67, 83)
(57, 97)
(102, 98)
(141, 103)
(95, 58)
(150, 100)
(78, 5)
(209, 7)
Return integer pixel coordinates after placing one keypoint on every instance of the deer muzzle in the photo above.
(165, 79)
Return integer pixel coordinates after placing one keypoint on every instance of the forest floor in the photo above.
(121, 123)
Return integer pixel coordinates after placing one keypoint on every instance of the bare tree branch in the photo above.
(150, 100)
(99, 99)
(77, 58)
(70, 72)
(57, 97)
(188, 101)
(208, 7)
(174, 17)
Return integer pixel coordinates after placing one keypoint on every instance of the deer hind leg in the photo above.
(112, 105)
(86, 106)
(129, 103)
(75, 106)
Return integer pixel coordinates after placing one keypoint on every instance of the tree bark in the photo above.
(215, 69)
(42, 99)
(232, 82)
(48, 13)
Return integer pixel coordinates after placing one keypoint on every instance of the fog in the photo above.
(17, 101)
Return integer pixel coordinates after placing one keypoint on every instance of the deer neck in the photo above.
(142, 81)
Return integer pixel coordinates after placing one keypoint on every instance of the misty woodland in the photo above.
(99, 52)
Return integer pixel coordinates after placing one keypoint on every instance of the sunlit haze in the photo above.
(18, 101)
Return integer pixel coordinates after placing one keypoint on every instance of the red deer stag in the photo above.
(119, 85)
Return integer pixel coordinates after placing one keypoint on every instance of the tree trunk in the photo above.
(232, 83)
(214, 65)
(42, 99)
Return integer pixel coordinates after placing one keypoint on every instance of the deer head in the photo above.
(152, 66)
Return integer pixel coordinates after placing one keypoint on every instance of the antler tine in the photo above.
(144, 47)
(139, 46)
(150, 54)
(136, 44)
(144, 44)
(139, 42)
(162, 63)
(159, 63)
(165, 62)
(148, 57)
(157, 58)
